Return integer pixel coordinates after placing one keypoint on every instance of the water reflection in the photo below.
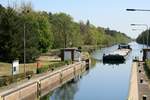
(67, 91)
(102, 81)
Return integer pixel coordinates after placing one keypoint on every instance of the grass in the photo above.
(45, 60)
(147, 68)
(44, 66)
(6, 68)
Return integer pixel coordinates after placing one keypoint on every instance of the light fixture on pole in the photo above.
(137, 10)
(144, 24)
(147, 28)
(143, 40)
(24, 42)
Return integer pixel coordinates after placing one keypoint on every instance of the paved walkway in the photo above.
(133, 90)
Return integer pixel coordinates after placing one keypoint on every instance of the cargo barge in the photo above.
(118, 55)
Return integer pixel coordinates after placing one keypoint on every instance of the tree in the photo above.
(38, 35)
(61, 28)
(142, 38)
(44, 31)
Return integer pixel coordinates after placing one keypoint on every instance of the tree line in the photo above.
(45, 31)
(144, 38)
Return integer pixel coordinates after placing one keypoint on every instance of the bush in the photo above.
(52, 66)
(147, 68)
(68, 62)
(42, 69)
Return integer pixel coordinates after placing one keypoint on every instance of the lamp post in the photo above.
(143, 36)
(146, 28)
(144, 24)
(24, 47)
(24, 42)
(137, 10)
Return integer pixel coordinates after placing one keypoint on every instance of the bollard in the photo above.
(61, 77)
(139, 65)
(38, 90)
(74, 70)
(141, 80)
(144, 97)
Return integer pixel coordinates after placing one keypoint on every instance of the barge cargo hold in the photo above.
(118, 55)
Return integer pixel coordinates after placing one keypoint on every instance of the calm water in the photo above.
(101, 82)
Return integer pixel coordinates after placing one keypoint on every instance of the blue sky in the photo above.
(104, 13)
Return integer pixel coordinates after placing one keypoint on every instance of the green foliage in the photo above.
(51, 67)
(142, 38)
(147, 68)
(38, 35)
(45, 31)
(117, 37)
(62, 29)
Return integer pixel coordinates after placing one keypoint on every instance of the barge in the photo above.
(119, 55)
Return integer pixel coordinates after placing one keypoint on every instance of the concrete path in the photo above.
(133, 90)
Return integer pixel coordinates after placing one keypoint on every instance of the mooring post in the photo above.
(38, 89)
(74, 70)
(61, 76)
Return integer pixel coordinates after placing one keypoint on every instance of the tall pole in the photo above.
(137, 10)
(24, 41)
(143, 40)
(147, 28)
(146, 25)
(147, 35)
(24, 50)
(148, 38)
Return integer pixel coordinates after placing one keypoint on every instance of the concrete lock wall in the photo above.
(22, 92)
(49, 83)
(67, 74)
(42, 85)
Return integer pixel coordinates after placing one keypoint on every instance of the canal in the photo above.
(101, 82)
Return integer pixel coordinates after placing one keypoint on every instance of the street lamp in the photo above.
(136, 29)
(146, 25)
(24, 42)
(137, 10)
(143, 36)
(146, 28)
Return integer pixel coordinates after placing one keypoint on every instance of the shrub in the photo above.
(52, 66)
(147, 68)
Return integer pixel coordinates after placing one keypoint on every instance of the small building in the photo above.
(146, 54)
(72, 54)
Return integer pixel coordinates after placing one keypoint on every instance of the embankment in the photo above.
(35, 88)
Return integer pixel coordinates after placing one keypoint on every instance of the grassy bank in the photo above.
(147, 68)
(6, 68)
(7, 78)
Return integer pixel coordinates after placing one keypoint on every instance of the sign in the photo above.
(15, 67)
